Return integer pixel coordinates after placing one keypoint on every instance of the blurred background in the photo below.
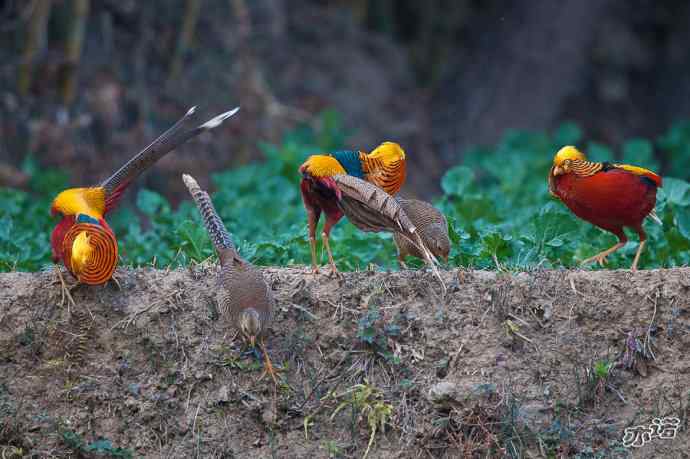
(84, 84)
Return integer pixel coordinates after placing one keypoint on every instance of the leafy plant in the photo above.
(366, 402)
(101, 447)
(499, 211)
(373, 332)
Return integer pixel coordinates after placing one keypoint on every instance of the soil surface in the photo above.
(537, 364)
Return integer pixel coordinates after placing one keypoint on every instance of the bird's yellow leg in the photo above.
(601, 257)
(401, 262)
(66, 295)
(312, 219)
(312, 244)
(637, 256)
(334, 270)
(268, 366)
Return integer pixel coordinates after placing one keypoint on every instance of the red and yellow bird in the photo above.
(82, 239)
(610, 196)
(383, 167)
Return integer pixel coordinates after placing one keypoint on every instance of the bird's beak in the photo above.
(557, 170)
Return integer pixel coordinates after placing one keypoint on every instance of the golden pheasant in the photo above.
(610, 196)
(82, 239)
(243, 295)
(383, 167)
(432, 227)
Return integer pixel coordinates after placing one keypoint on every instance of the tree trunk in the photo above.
(73, 46)
(35, 43)
(191, 17)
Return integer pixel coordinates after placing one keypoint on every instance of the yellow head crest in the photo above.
(388, 152)
(322, 166)
(87, 201)
(568, 153)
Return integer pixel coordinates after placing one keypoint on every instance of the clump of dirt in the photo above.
(538, 364)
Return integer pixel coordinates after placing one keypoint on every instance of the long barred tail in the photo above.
(214, 225)
(175, 136)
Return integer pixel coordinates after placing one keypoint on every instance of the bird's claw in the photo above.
(116, 282)
(600, 259)
(270, 370)
(335, 274)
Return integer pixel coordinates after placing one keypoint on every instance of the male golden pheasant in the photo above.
(383, 167)
(610, 196)
(243, 295)
(82, 239)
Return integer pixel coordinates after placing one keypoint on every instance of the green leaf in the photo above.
(682, 218)
(456, 180)
(555, 242)
(102, 445)
(677, 191)
(151, 202)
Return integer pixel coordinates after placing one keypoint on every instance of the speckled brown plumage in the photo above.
(371, 209)
(243, 295)
(432, 227)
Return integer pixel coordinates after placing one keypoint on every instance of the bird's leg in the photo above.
(637, 256)
(313, 220)
(268, 366)
(643, 241)
(401, 261)
(601, 257)
(324, 237)
(66, 295)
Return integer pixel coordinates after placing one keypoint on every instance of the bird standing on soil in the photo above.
(243, 295)
(610, 196)
(432, 227)
(371, 209)
(384, 167)
(82, 239)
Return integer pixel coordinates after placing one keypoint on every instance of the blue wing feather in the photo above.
(350, 161)
(83, 218)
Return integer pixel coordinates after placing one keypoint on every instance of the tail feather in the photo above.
(371, 209)
(220, 236)
(175, 136)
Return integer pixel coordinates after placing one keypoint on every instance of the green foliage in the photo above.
(366, 402)
(373, 332)
(100, 448)
(499, 210)
(602, 368)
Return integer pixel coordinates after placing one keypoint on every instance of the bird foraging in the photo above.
(384, 167)
(371, 209)
(432, 227)
(243, 295)
(610, 196)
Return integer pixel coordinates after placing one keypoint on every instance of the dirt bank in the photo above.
(503, 364)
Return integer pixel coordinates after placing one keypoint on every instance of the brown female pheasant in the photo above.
(243, 295)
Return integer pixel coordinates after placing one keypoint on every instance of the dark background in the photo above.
(85, 84)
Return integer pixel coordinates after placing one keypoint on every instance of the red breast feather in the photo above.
(609, 199)
(58, 235)
(321, 193)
